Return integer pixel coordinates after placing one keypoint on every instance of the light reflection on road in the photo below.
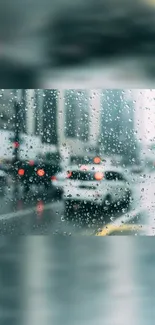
(88, 281)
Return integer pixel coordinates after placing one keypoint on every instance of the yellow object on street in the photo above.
(150, 2)
(110, 229)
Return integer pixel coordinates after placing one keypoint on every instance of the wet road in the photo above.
(40, 213)
(56, 280)
(43, 214)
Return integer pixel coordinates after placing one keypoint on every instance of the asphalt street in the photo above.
(63, 280)
(41, 213)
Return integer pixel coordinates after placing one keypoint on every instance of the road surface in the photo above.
(40, 213)
(63, 280)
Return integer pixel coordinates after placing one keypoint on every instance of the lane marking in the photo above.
(150, 2)
(26, 212)
(120, 221)
(127, 227)
(113, 226)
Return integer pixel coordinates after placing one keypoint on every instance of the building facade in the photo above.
(78, 112)
(64, 118)
(7, 109)
(118, 123)
(111, 120)
(75, 119)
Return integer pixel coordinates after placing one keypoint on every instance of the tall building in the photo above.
(111, 120)
(39, 100)
(50, 129)
(7, 108)
(76, 112)
(78, 119)
(66, 117)
(118, 123)
(129, 137)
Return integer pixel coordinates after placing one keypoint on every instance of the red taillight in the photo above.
(21, 172)
(97, 160)
(16, 144)
(53, 178)
(40, 208)
(40, 172)
(31, 162)
(69, 174)
(98, 176)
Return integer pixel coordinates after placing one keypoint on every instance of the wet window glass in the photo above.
(76, 114)
(82, 176)
(76, 160)
(114, 176)
(77, 163)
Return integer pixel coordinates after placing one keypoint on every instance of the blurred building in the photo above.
(78, 116)
(111, 120)
(6, 108)
(131, 143)
(60, 117)
(7, 97)
(75, 119)
(118, 123)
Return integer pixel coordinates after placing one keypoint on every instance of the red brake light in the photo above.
(40, 172)
(98, 176)
(40, 208)
(31, 162)
(16, 144)
(53, 178)
(97, 160)
(21, 172)
(69, 174)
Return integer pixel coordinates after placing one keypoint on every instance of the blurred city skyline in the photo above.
(76, 114)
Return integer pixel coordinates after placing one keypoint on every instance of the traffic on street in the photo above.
(87, 171)
(41, 212)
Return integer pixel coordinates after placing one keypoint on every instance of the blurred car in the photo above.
(58, 182)
(90, 160)
(95, 186)
(137, 169)
(37, 172)
(123, 230)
